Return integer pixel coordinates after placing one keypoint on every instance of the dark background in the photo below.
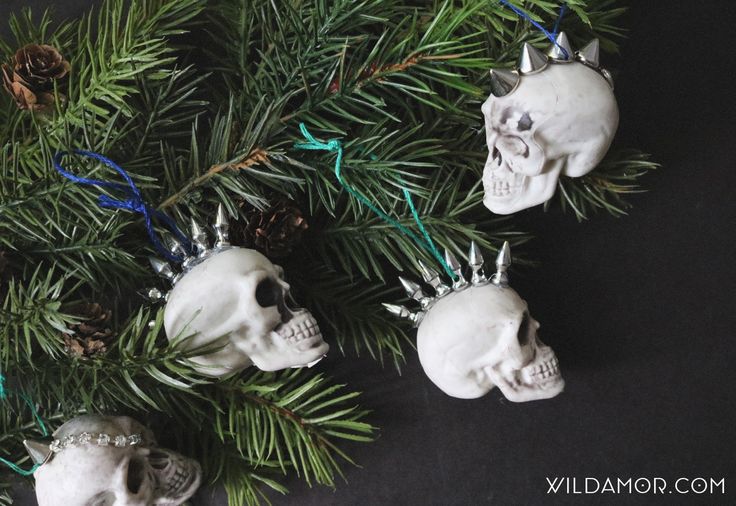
(640, 311)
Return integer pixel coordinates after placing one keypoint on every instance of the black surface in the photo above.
(640, 311)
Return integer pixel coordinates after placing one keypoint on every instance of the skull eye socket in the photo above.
(525, 330)
(136, 475)
(268, 293)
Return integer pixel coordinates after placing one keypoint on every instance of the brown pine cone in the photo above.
(92, 334)
(31, 75)
(276, 231)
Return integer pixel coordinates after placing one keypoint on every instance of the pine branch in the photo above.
(607, 186)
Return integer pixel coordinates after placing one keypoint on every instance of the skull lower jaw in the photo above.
(506, 192)
(295, 343)
(175, 493)
(538, 380)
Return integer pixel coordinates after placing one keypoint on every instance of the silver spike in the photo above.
(475, 260)
(432, 278)
(175, 247)
(561, 50)
(460, 283)
(403, 312)
(162, 268)
(199, 237)
(39, 451)
(222, 228)
(503, 262)
(414, 290)
(504, 81)
(532, 60)
(590, 54)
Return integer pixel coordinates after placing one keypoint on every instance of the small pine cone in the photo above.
(30, 77)
(92, 335)
(276, 231)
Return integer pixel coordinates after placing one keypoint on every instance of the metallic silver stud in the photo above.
(39, 451)
(532, 60)
(162, 268)
(460, 283)
(504, 81)
(590, 54)
(222, 228)
(432, 278)
(475, 260)
(414, 290)
(403, 312)
(561, 50)
(199, 238)
(503, 262)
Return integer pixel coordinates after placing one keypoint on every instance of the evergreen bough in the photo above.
(200, 100)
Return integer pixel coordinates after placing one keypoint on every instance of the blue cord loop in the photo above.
(42, 427)
(334, 146)
(133, 201)
(552, 36)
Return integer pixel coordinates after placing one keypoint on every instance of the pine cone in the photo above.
(92, 335)
(276, 231)
(31, 75)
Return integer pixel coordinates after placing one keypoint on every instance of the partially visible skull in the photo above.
(236, 299)
(560, 120)
(481, 337)
(87, 474)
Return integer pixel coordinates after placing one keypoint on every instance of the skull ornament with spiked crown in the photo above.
(233, 302)
(478, 334)
(555, 115)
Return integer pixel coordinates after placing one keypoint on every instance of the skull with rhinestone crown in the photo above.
(232, 302)
(478, 334)
(110, 461)
(556, 115)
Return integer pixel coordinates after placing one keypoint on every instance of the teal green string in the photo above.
(334, 146)
(3, 396)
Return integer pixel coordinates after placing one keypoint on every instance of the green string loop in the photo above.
(42, 426)
(335, 146)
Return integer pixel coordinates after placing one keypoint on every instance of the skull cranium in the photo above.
(89, 474)
(237, 299)
(484, 336)
(559, 121)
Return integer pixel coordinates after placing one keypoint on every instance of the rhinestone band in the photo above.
(85, 438)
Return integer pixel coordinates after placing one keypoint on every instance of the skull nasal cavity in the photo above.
(136, 475)
(268, 293)
(524, 330)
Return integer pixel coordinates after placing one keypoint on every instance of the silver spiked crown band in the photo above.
(42, 452)
(431, 277)
(532, 61)
(202, 250)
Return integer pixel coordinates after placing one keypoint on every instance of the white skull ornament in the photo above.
(479, 334)
(235, 299)
(110, 461)
(557, 115)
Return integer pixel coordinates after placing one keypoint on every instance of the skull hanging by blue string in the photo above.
(554, 115)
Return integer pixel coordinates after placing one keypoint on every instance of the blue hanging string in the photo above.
(133, 201)
(42, 427)
(552, 36)
(424, 242)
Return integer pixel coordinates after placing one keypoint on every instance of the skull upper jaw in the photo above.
(537, 380)
(298, 342)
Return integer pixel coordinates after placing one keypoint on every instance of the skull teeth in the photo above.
(299, 330)
(546, 370)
